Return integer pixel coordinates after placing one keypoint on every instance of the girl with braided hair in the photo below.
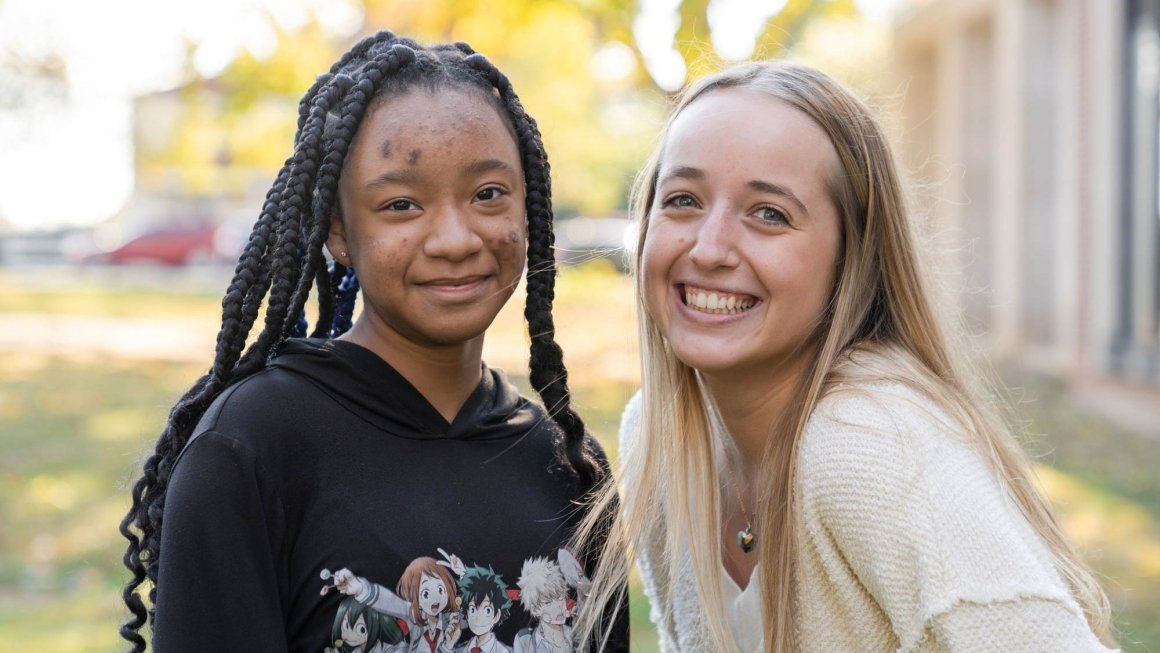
(367, 444)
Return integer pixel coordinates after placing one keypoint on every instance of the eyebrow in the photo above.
(411, 175)
(393, 177)
(782, 191)
(696, 174)
(682, 172)
(487, 165)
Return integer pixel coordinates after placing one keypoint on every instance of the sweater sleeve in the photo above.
(893, 494)
(218, 589)
(649, 574)
(1017, 625)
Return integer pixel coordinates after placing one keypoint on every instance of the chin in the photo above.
(455, 333)
(708, 362)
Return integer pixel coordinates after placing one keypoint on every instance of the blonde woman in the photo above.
(809, 466)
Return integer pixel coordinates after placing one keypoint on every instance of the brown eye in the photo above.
(401, 205)
(489, 193)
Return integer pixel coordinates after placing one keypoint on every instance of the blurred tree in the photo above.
(577, 64)
(32, 87)
(574, 67)
(31, 81)
(227, 136)
(782, 32)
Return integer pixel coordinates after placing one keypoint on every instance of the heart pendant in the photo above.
(745, 540)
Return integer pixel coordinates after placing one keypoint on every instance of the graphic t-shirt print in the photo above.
(442, 605)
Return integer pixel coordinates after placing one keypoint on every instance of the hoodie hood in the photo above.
(365, 384)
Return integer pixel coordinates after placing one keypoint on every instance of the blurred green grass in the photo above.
(74, 428)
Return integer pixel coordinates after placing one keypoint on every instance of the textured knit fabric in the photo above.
(906, 542)
(330, 459)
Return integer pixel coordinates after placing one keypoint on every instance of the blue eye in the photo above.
(770, 215)
(680, 201)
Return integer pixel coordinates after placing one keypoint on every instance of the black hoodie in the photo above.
(330, 459)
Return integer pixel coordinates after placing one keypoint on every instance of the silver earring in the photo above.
(342, 254)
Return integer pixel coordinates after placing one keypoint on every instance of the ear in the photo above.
(336, 240)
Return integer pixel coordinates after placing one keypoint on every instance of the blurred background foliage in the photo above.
(84, 396)
(100, 355)
(580, 67)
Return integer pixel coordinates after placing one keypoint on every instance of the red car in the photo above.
(167, 246)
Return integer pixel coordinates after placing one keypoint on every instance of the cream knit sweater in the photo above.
(906, 542)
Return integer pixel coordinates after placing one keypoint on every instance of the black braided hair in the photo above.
(283, 261)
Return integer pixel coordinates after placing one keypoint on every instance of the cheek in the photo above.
(510, 247)
(390, 250)
(659, 252)
(805, 273)
(514, 241)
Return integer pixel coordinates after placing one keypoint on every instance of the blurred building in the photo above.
(199, 160)
(1036, 124)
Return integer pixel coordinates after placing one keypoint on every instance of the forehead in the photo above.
(451, 117)
(752, 132)
(427, 579)
(483, 601)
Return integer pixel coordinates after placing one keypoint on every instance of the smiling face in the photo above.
(738, 261)
(483, 617)
(433, 219)
(432, 596)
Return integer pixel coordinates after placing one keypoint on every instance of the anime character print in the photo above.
(359, 628)
(486, 603)
(543, 592)
(436, 603)
(424, 603)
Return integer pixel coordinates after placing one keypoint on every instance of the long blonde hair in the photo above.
(880, 324)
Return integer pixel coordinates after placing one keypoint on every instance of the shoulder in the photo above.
(878, 449)
(883, 458)
(265, 396)
(272, 401)
(260, 418)
(882, 431)
(887, 407)
(894, 485)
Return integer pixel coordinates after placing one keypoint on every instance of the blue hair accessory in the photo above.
(344, 304)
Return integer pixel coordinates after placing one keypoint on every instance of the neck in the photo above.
(445, 375)
(551, 628)
(750, 404)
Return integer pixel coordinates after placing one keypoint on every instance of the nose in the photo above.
(452, 235)
(715, 244)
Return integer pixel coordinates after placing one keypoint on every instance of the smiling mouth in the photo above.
(458, 282)
(716, 302)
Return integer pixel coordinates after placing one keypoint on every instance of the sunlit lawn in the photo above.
(73, 429)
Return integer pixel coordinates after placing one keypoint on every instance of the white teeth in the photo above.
(714, 303)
